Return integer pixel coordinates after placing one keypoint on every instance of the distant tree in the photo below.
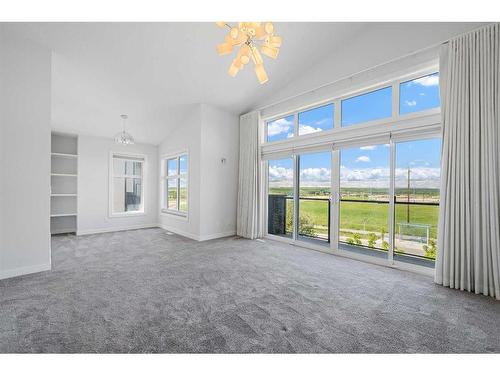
(306, 225)
(430, 250)
(385, 245)
(306, 222)
(372, 239)
(357, 238)
(350, 241)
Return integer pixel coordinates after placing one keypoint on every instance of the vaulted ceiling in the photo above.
(155, 72)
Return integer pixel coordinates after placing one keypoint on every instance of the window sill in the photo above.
(127, 214)
(175, 214)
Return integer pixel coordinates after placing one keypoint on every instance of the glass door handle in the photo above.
(335, 197)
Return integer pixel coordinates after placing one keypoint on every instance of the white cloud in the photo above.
(364, 177)
(418, 174)
(369, 148)
(281, 176)
(315, 174)
(421, 177)
(324, 121)
(411, 103)
(427, 81)
(363, 158)
(279, 126)
(307, 129)
(277, 173)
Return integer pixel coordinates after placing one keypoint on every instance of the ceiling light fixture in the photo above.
(123, 137)
(252, 38)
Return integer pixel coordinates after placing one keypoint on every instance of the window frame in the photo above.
(164, 177)
(396, 117)
(133, 157)
(425, 124)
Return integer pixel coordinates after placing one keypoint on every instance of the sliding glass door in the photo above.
(364, 199)
(380, 200)
(417, 179)
(280, 197)
(314, 181)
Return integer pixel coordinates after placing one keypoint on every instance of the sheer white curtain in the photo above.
(469, 233)
(248, 223)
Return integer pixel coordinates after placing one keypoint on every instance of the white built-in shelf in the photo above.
(64, 186)
(60, 154)
(62, 215)
(64, 174)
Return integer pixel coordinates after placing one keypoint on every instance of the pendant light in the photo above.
(250, 39)
(123, 137)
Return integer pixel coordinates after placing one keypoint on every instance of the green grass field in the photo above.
(183, 198)
(372, 217)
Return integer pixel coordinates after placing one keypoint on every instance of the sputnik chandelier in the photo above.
(252, 38)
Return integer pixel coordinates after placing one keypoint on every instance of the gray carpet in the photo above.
(148, 291)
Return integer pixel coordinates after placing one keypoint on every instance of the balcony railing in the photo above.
(417, 238)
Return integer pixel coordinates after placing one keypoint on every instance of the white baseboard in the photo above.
(196, 237)
(207, 237)
(13, 272)
(115, 229)
(180, 232)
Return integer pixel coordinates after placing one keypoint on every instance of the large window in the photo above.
(314, 196)
(280, 220)
(367, 182)
(126, 184)
(175, 184)
(364, 197)
(417, 179)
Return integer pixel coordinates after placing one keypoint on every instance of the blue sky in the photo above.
(419, 94)
(367, 107)
(415, 95)
(280, 129)
(368, 165)
(317, 119)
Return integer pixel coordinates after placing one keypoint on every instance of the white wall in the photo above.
(219, 190)
(93, 186)
(25, 74)
(208, 134)
(185, 137)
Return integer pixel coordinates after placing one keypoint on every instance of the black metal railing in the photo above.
(278, 225)
(400, 202)
(328, 200)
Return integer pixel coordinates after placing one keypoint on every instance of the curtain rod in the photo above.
(374, 67)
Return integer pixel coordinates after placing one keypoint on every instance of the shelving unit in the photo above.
(63, 176)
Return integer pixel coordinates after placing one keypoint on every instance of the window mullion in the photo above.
(395, 100)
(392, 173)
(296, 124)
(337, 114)
(295, 196)
(179, 194)
(335, 199)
